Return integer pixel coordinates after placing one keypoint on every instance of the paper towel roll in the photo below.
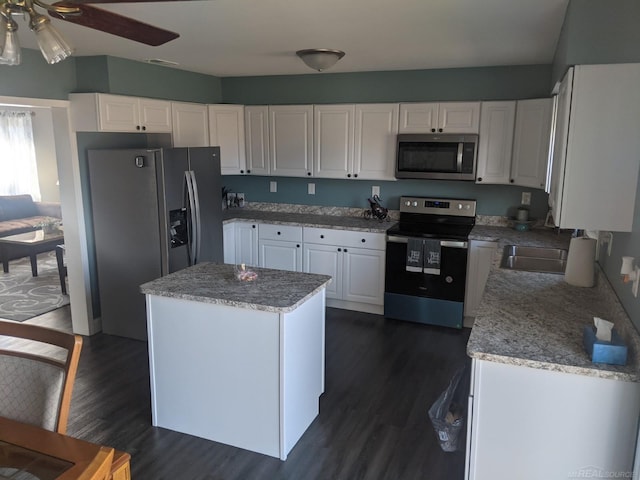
(581, 262)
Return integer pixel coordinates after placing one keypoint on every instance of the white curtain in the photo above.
(18, 168)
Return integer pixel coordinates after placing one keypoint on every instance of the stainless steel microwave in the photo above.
(437, 156)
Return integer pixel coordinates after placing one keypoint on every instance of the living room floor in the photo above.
(381, 378)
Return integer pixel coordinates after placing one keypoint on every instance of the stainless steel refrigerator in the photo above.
(154, 212)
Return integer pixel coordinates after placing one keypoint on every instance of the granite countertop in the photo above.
(537, 319)
(309, 220)
(272, 291)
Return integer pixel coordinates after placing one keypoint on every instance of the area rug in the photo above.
(23, 296)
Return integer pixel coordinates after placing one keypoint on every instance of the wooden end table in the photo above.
(29, 245)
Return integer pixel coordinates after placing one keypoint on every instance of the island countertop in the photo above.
(272, 291)
(537, 319)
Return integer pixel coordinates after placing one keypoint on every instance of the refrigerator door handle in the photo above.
(191, 207)
(198, 230)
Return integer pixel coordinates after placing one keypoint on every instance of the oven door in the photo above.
(421, 297)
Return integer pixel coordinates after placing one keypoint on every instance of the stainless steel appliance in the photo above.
(437, 156)
(426, 261)
(154, 212)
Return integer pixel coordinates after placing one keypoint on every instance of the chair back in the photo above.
(36, 379)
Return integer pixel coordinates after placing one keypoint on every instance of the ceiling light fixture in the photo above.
(52, 44)
(320, 58)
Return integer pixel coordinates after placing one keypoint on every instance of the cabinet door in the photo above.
(118, 113)
(229, 242)
(495, 142)
(280, 255)
(291, 134)
(531, 143)
(155, 115)
(481, 256)
(418, 117)
(376, 129)
(256, 122)
(459, 117)
(246, 243)
(226, 129)
(190, 125)
(333, 141)
(325, 260)
(363, 275)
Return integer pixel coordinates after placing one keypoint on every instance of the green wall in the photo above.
(490, 83)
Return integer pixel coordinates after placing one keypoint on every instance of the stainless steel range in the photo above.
(426, 260)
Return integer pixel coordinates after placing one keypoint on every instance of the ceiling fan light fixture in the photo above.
(52, 44)
(320, 59)
(11, 52)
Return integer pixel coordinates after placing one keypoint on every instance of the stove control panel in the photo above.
(438, 206)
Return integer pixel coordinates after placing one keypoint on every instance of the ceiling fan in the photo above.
(81, 12)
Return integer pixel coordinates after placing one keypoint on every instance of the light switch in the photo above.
(526, 198)
(273, 187)
(311, 189)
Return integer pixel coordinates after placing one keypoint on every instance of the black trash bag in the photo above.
(448, 412)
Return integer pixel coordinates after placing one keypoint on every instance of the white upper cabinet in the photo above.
(596, 189)
(190, 124)
(376, 129)
(291, 140)
(226, 130)
(256, 122)
(531, 142)
(100, 112)
(448, 117)
(514, 142)
(495, 142)
(333, 141)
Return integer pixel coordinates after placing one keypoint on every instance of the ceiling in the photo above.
(260, 37)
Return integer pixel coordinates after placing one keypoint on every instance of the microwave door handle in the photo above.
(459, 159)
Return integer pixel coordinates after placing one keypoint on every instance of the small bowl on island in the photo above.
(243, 274)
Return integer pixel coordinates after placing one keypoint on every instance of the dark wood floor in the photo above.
(381, 378)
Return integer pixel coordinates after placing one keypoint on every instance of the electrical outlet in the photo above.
(375, 190)
(311, 189)
(273, 187)
(526, 198)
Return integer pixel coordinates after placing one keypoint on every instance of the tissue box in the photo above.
(613, 352)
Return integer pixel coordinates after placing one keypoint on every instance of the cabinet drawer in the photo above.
(344, 238)
(288, 233)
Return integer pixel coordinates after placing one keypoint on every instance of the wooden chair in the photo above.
(35, 382)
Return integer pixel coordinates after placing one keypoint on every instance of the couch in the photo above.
(19, 214)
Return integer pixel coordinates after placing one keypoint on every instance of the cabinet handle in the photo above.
(321, 236)
(241, 171)
(298, 246)
(355, 175)
(363, 240)
(253, 226)
(345, 249)
(348, 175)
(144, 128)
(440, 130)
(137, 127)
(248, 171)
(339, 249)
(278, 233)
(309, 173)
(479, 179)
(433, 130)
(511, 180)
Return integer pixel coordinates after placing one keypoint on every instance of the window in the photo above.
(18, 168)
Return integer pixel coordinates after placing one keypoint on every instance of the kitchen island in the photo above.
(241, 363)
(538, 406)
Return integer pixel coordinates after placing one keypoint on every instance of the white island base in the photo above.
(243, 377)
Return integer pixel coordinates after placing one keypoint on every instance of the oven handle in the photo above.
(443, 243)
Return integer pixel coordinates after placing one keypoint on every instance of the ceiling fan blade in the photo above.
(115, 24)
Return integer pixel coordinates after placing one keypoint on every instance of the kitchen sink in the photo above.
(534, 259)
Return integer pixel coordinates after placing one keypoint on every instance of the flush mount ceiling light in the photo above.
(53, 46)
(320, 58)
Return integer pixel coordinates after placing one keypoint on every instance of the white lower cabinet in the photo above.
(358, 273)
(481, 254)
(531, 424)
(229, 242)
(246, 243)
(280, 247)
